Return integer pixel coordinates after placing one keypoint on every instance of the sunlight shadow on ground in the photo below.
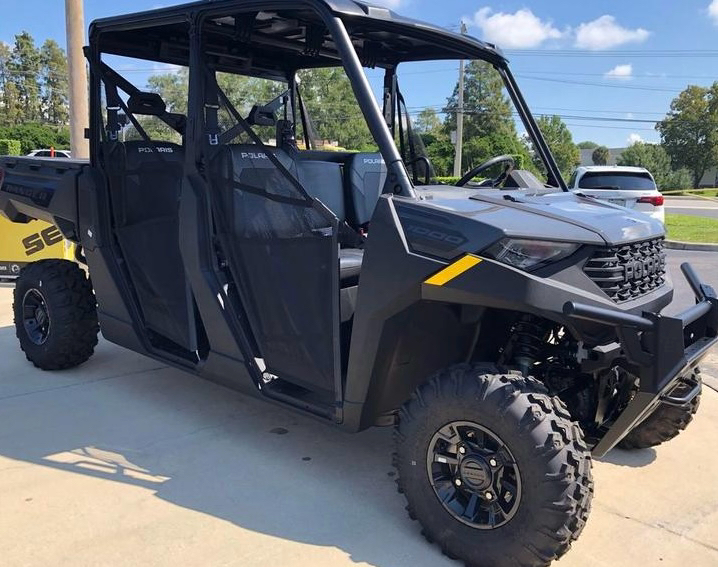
(210, 450)
(639, 458)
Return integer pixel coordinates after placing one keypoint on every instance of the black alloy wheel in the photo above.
(36, 316)
(474, 475)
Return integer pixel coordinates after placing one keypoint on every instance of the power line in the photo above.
(561, 74)
(604, 127)
(605, 85)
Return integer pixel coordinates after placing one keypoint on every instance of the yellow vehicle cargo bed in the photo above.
(21, 244)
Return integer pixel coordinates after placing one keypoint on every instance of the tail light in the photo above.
(655, 201)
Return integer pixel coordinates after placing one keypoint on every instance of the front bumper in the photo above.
(664, 350)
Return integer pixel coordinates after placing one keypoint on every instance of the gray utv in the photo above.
(506, 328)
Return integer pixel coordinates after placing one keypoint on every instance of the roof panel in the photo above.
(380, 36)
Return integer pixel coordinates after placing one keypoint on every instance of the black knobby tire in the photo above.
(67, 308)
(548, 449)
(665, 423)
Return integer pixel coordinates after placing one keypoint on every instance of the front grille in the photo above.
(630, 271)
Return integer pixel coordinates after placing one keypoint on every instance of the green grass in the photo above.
(686, 228)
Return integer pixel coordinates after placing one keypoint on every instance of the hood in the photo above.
(556, 215)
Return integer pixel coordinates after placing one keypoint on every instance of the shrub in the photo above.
(10, 147)
(447, 180)
(679, 179)
(35, 136)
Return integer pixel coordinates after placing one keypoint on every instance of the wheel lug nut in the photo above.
(489, 496)
(462, 450)
(457, 482)
(493, 462)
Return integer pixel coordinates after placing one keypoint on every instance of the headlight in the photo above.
(529, 254)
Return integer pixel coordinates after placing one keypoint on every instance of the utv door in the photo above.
(144, 177)
(285, 261)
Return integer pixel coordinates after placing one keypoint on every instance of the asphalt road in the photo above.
(125, 462)
(693, 207)
(706, 264)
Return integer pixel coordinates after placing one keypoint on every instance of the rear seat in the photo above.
(321, 179)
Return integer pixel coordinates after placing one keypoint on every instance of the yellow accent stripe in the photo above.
(453, 270)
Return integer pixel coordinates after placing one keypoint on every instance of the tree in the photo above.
(440, 151)
(437, 141)
(24, 70)
(560, 142)
(327, 94)
(489, 128)
(651, 156)
(329, 98)
(600, 155)
(587, 145)
(427, 121)
(54, 73)
(173, 88)
(10, 110)
(689, 132)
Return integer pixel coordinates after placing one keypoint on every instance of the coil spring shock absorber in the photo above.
(526, 342)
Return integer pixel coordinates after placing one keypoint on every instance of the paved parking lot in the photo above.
(126, 462)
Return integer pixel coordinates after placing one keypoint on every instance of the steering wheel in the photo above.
(510, 164)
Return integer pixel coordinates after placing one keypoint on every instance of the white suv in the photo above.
(50, 153)
(631, 187)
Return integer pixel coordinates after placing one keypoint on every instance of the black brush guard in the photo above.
(664, 349)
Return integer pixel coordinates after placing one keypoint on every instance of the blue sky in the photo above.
(632, 53)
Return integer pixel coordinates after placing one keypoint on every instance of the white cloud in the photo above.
(521, 29)
(605, 33)
(634, 138)
(713, 11)
(620, 72)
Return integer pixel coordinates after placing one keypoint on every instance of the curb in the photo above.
(696, 246)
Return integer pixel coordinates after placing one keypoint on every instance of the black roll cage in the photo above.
(336, 16)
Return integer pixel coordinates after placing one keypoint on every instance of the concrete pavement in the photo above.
(124, 461)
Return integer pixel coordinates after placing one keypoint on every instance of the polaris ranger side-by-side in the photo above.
(506, 328)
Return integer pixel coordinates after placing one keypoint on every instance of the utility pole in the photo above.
(79, 112)
(459, 148)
